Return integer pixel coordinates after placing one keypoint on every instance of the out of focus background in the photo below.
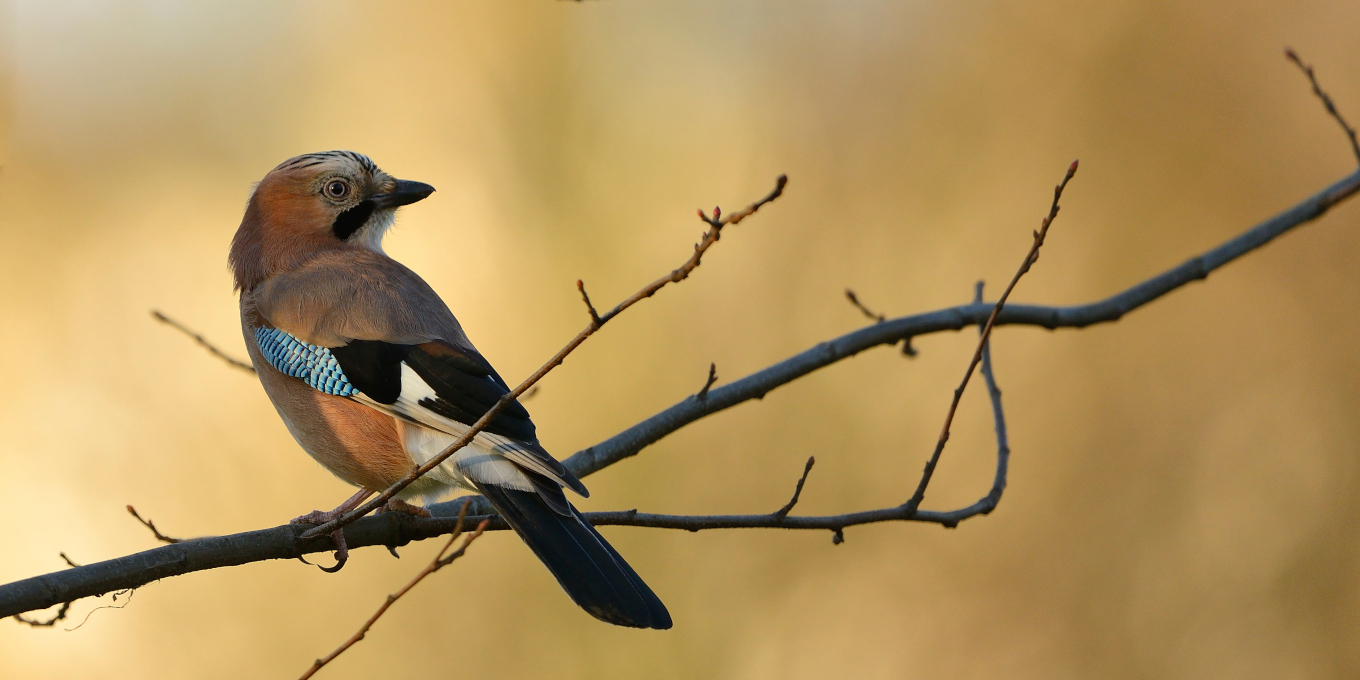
(1184, 499)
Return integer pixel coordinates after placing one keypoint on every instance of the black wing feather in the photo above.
(467, 390)
(373, 367)
(464, 382)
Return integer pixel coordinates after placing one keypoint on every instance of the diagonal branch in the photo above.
(1030, 259)
(716, 224)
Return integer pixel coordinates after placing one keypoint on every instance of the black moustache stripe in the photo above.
(348, 222)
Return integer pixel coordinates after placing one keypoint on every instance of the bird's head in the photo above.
(316, 202)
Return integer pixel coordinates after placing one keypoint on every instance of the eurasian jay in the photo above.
(373, 375)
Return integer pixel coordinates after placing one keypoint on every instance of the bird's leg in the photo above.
(318, 517)
(399, 505)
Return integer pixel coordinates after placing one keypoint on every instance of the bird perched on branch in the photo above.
(374, 376)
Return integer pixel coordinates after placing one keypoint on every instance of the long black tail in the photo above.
(586, 566)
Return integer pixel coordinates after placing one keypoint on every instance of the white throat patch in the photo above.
(371, 234)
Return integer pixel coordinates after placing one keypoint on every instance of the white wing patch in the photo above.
(488, 459)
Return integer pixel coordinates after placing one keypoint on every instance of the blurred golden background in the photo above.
(1183, 498)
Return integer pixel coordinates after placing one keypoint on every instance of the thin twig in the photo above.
(202, 341)
(1030, 259)
(1003, 448)
(67, 560)
(797, 490)
(712, 378)
(594, 317)
(150, 525)
(854, 300)
(439, 562)
(907, 349)
(597, 321)
(1307, 69)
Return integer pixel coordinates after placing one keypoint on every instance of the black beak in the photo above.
(405, 193)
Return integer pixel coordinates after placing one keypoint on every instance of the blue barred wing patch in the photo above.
(315, 365)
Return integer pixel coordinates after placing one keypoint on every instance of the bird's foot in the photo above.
(319, 517)
(399, 505)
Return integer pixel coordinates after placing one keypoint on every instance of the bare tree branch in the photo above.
(716, 224)
(440, 561)
(396, 529)
(202, 341)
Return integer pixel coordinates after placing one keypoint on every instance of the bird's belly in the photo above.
(357, 444)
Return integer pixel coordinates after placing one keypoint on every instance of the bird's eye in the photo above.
(337, 188)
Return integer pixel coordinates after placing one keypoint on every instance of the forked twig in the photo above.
(712, 378)
(1030, 258)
